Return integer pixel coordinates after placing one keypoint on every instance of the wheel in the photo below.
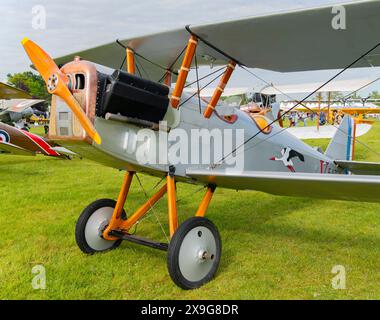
(194, 253)
(91, 224)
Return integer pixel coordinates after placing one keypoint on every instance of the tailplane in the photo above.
(341, 145)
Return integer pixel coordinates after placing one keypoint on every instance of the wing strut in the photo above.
(130, 60)
(184, 71)
(219, 89)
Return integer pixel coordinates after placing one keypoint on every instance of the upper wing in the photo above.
(285, 41)
(8, 92)
(13, 149)
(325, 186)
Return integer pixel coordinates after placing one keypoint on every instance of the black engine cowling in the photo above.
(128, 95)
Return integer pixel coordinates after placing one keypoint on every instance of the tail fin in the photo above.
(341, 145)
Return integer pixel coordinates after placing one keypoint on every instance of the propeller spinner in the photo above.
(57, 83)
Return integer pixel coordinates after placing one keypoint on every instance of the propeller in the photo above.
(58, 83)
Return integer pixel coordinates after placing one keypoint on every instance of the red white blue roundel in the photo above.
(4, 136)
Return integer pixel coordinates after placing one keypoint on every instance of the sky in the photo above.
(76, 25)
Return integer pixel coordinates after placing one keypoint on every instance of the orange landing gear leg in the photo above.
(172, 201)
(116, 216)
(202, 209)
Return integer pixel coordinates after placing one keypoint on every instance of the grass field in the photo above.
(273, 247)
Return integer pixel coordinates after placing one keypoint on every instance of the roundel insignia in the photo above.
(4, 136)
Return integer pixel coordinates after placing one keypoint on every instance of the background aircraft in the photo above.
(9, 92)
(20, 142)
(329, 108)
(99, 115)
(16, 106)
(15, 111)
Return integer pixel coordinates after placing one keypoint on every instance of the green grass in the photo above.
(273, 247)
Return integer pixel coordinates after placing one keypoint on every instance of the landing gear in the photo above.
(91, 224)
(194, 249)
(194, 253)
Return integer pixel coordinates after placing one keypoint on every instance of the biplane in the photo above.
(23, 143)
(345, 104)
(121, 119)
(330, 108)
(16, 105)
(16, 112)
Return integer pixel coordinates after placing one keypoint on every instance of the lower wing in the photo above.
(13, 149)
(357, 167)
(325, 132)
(325, 186)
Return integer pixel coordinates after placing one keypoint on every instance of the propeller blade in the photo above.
(56, 82)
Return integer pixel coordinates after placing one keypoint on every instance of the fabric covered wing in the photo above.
(324, 132)
(19, 105)
(286, 41)
(8, 92)
(338, 85)
(357, 167)
(13, 149)
(325, 186)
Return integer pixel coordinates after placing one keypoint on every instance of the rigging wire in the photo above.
(170, 68)
(191, 194)
(338, 128)
(138, 69)
(196, 71)
(144, 58)
(138, 62)
(151, 208)
(194, 94)
(204, 77)
(123, 62)
(368, 84)
(299, 102)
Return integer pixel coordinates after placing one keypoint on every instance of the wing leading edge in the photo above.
(324, 186)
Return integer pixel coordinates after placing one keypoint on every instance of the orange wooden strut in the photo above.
(172, 204)
(354, 141)
(130, 61)
(140, 212)
(219, 89)
(184, 71)
(205, 202)
(116, 216)
(125, 225)
(117, 222)
(168, 78)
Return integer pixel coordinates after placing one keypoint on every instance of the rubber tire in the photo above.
(175, 245)
(82, 222)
